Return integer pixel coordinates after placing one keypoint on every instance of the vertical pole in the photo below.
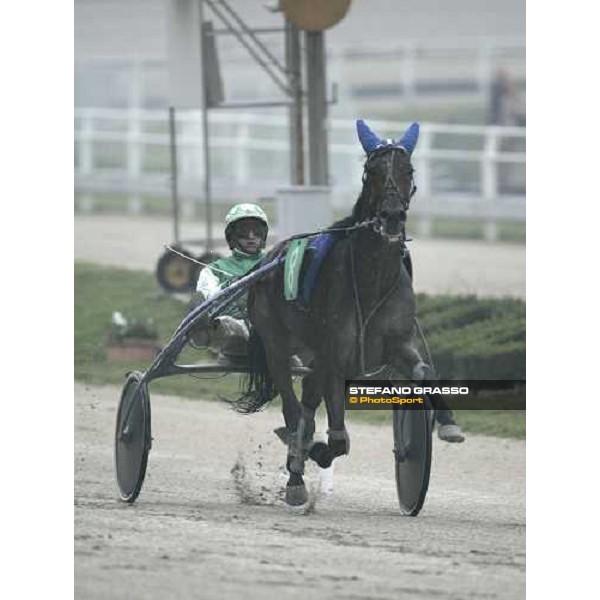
(318, 164)
(135, 148)
(174, 197)
(86, 156)
(489, 183)
(134, 159)
(205, 134)
(424, 181)
(294, 75)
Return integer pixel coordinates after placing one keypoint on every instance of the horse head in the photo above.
(388, 183)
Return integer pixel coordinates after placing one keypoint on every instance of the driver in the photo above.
(246, 228)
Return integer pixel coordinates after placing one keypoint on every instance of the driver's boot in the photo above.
(232, 336)
(448, 429)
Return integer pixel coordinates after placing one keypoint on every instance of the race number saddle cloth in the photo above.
(303, 262)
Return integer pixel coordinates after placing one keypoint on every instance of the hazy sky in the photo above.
(129, 27)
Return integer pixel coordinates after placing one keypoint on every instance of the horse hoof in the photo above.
(338, 442)
(321, 454)
(296, 495)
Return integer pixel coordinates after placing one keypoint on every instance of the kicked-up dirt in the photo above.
(210, 521)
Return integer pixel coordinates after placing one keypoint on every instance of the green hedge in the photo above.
(473, 338)
(469, 338)
(492, 345)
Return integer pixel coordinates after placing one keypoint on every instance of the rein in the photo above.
(364, 321)
(361, 225)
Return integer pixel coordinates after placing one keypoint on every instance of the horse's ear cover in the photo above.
(371, 141)
(368, 139)
(410, 138)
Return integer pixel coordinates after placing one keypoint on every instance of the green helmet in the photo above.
(246, 211)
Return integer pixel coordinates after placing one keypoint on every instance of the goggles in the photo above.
(244, 229)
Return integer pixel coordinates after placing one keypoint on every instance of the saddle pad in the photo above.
(317, 250)
(291, 269)
(302, 266)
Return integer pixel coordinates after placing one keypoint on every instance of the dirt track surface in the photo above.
(440, 266)
(204, 529)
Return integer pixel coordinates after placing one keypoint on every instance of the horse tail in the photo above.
(258, 387)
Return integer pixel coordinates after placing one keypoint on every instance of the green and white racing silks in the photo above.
(221, 273)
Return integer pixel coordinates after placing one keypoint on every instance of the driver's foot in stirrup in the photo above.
(451, 432)
(199, 334)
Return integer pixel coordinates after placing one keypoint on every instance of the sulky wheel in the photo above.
(133, 438)
(175, 273)
(412, 451)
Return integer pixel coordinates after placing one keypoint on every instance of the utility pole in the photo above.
(205, 133)
(293, 62)
(318, 163)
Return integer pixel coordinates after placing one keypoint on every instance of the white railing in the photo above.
(466, 172)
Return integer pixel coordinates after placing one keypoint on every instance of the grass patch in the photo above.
(498, 423)
(99, 291)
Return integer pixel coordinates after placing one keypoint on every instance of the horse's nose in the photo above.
(393, 217)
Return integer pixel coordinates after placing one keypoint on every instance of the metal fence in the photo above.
(470, 173)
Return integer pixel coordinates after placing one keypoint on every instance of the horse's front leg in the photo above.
(402, 352)
(338, 439)
(311, 399)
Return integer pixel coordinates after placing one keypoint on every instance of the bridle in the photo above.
(390, 183)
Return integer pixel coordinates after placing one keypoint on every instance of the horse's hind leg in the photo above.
(279, 368)
(275, 339)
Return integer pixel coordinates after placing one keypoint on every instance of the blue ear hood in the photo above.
(371, 141)
(368, 139)
(410, 138)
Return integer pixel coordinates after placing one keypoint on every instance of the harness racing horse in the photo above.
(361, 316)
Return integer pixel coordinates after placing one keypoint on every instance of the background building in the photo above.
(456, 66)
(433, 58)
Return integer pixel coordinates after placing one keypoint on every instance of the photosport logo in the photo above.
(452, 394)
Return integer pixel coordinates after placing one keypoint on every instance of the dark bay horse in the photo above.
(361, 315)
